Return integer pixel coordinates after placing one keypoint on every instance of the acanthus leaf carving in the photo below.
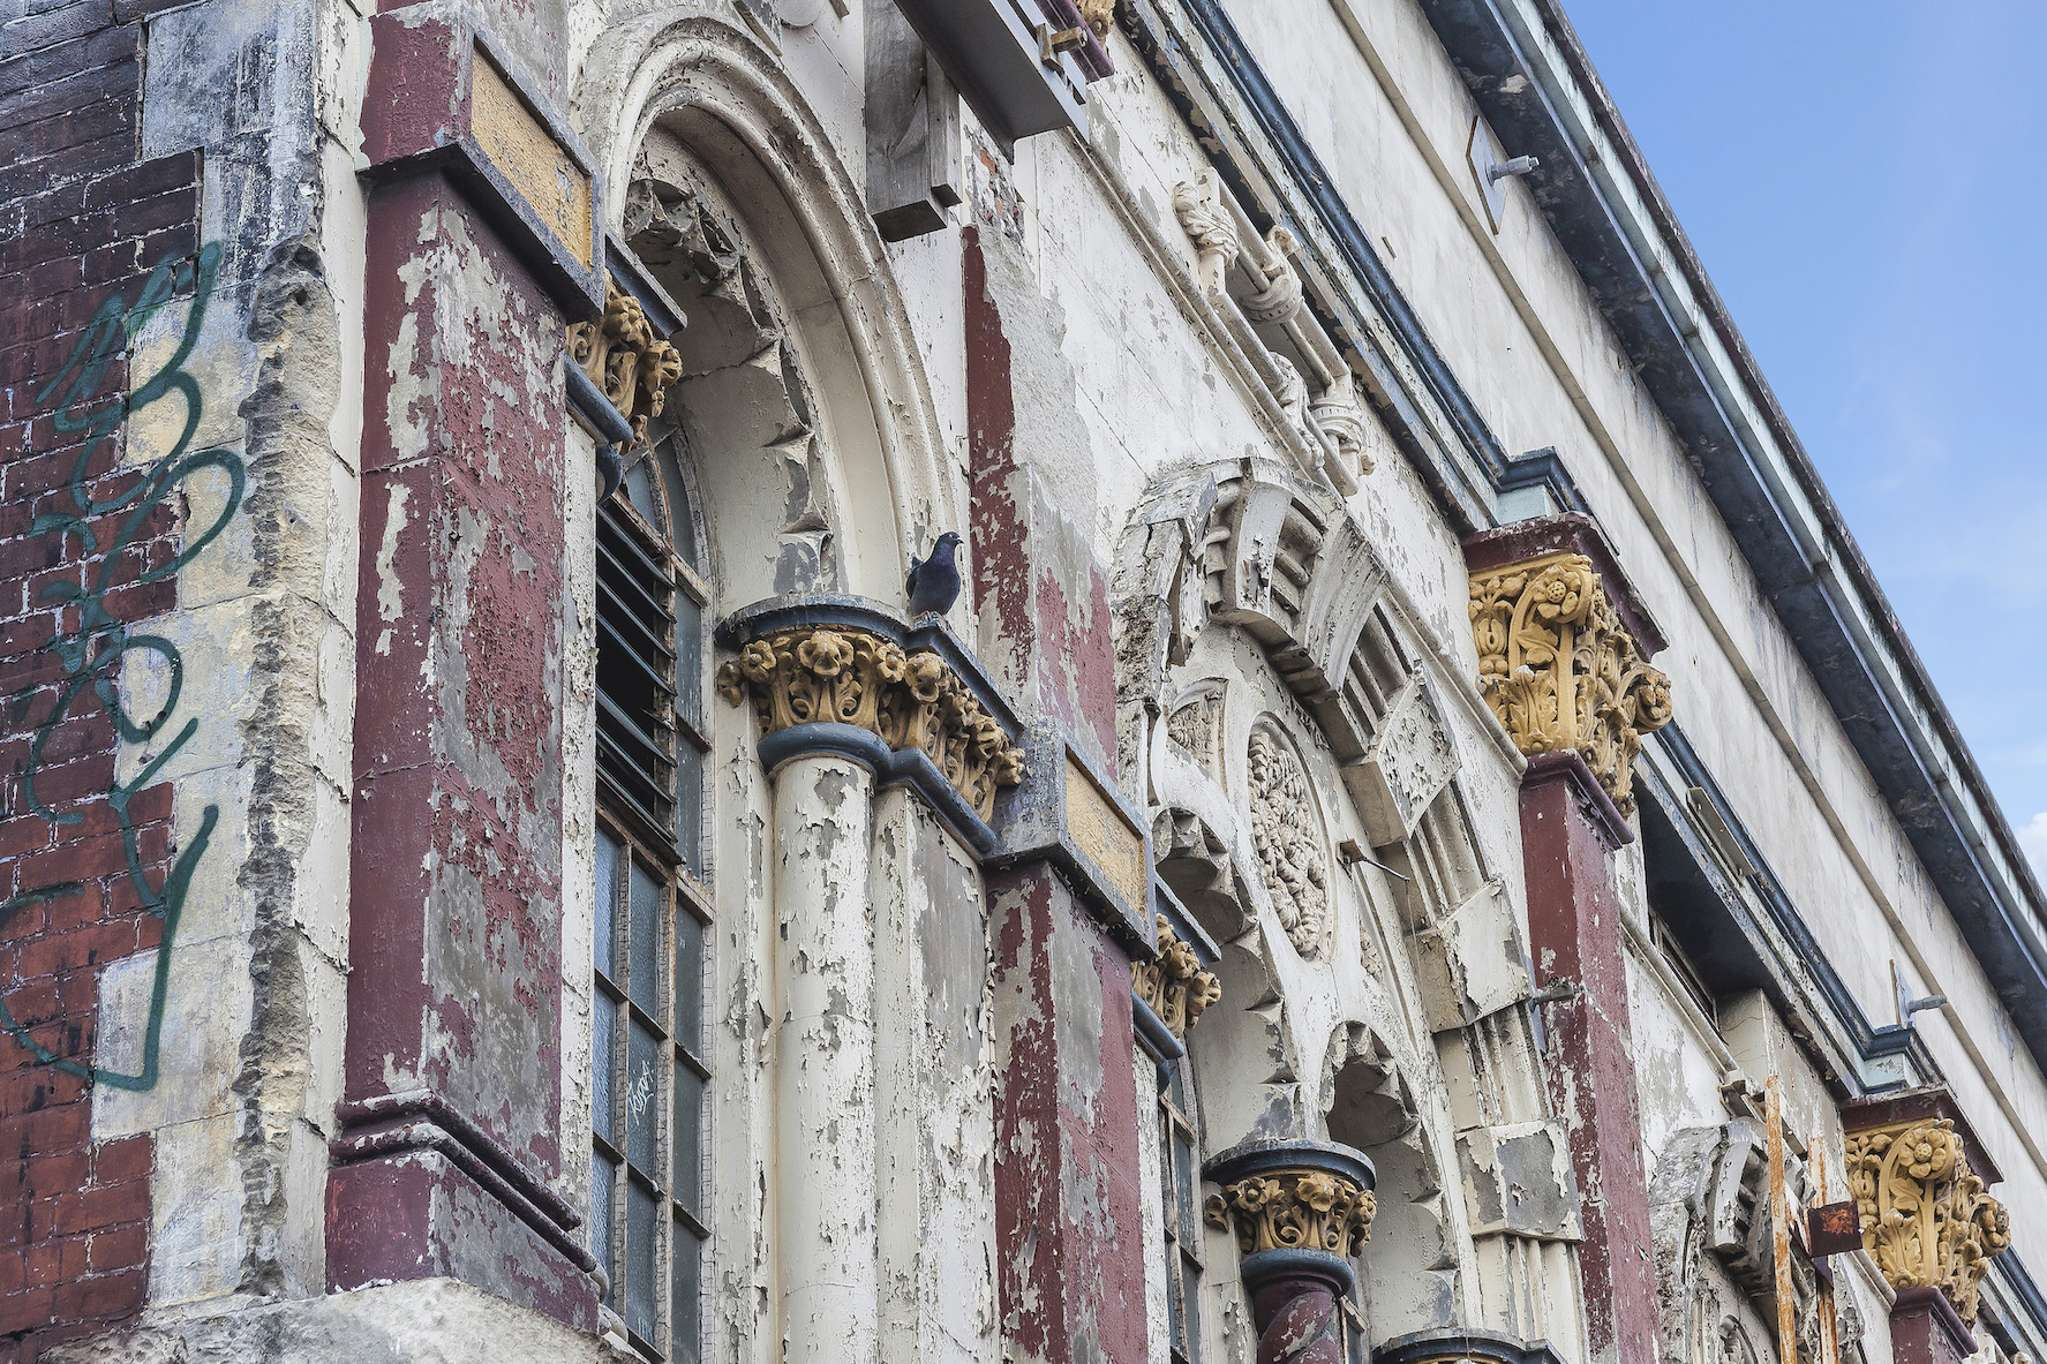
(1206, 219)
(1175, 985)
(910, 700)
(1295, 1210)
(1926, 1216)
(1560, 669)
(625, 359)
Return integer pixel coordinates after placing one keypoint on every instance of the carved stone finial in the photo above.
(1176, 986)
(623, 357)
(1562, 671)
(1341, 417)
(910, 700)
(1926, 1216)
(1206, 220)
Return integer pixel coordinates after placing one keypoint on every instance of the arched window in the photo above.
(647, 1224)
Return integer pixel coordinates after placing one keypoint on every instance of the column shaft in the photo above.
(824, 1058)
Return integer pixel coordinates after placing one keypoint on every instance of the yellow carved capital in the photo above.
(1176, 986)
(1295, 1210)
(844, 675)
(623, 357)
(1560, 670)
(1926, 1216)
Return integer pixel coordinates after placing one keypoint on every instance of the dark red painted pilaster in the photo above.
(1069, 1222)
(1569, 829)
(451, 1143)
(1925, 1329)
(1069, 1225)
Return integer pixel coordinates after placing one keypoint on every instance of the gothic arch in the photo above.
(665, 77)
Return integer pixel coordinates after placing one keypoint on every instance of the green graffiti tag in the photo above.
(89, 641)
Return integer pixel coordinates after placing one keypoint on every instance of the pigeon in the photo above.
(934, 583)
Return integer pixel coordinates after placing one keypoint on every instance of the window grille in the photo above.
(649, 1076)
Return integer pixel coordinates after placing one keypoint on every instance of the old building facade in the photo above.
(1418, 838)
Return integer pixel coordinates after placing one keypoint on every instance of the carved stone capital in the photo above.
(1561, 668)
(1926, 1215)
(912, 699)
(1175, 985)
(624, 358)
(1205, 218)
(1313, 1196)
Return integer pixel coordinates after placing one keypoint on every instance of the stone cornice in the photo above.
(840, 666)
(1563, 650)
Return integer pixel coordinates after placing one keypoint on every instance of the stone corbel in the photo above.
(1301, 1210)
(839, 673)
(1177, 985)
(1563, 648)
(1920, 1181)
(1463, 1345)
(623, 356)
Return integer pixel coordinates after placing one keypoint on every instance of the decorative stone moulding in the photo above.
(1919, 1183)
(1301, 1210)
(840, 673)
(1293, 1195)
(1175, 985)
(1284, 830)
(1252, 281)
(1463, 1345)
(625, 359)
(1563, 650)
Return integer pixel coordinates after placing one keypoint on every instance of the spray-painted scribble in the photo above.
(90, 643)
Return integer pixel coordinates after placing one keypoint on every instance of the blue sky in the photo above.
(1864, 182)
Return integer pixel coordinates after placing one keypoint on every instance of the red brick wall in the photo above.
(82, 223)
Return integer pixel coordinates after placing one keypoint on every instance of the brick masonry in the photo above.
(83, 222)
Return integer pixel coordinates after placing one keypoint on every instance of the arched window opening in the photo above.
(648, 1053)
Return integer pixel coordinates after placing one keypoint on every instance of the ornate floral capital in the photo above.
(910, 700)
(623, 357)
(1926, 1216)
(1560, 669)
(1176, 986)
(1296, 1209)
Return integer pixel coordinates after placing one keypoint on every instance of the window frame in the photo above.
(1180, 1230)
(684, 917)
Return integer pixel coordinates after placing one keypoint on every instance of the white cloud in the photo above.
(2033, 838)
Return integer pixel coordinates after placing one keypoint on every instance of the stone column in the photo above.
(824, 1061)
(1301, 1211)
(481, 247)
(1563, 649)
(1920, 1180)
(850, 702)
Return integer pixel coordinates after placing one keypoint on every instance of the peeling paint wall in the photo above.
(297, 975)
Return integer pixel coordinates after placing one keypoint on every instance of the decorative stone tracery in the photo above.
(910, 699)
(1175, 985)
(1288, 843)
(1926, 1215)
(623, 357)
(1561, 670)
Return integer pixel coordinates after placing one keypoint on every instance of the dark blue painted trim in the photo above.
(1464, 1343)
(1152, 1031)
(1261, 1267)
(910, 767)
(606, 422)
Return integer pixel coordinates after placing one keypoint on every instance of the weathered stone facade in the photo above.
(491, 867)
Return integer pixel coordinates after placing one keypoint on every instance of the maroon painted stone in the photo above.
(1568, 831)
(1926, 1329)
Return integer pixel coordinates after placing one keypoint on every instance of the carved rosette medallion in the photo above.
(1302, 1209)
(844, 675)
(1289, 846)
(1561, 671)
(623, 357)
(1176, 986)
(1926, 1215)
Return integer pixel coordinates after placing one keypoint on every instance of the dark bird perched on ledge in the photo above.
(934, 583)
